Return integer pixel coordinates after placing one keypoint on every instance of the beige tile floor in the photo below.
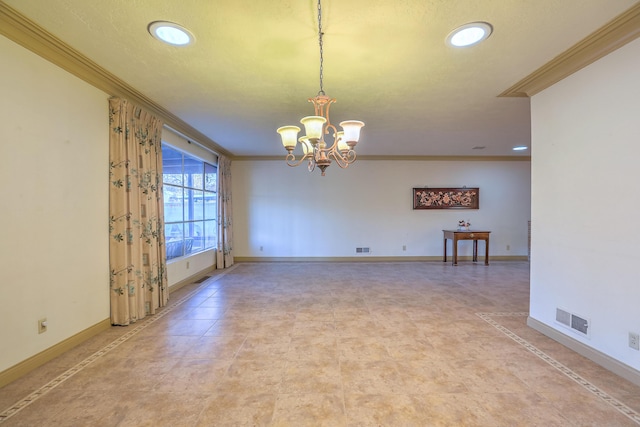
(329, 344)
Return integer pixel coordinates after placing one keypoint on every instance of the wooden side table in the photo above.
(455, 235)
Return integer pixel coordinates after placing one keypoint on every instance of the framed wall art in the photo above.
(446, 198)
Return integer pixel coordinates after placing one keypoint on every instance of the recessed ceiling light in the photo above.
(469, 34)
(520, 148)
(170, 33)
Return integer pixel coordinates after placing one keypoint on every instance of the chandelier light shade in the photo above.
(289, 136)
(322, 143)
(313, 126)
(352, 131)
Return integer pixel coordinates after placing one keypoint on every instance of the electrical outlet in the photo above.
(404, 247)
(261, 248)
(42, 325)
(634, 340)
(508, 247)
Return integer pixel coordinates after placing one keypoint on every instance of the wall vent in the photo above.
(574, 322)
(579, 324)
(563, 317)
(362, 250)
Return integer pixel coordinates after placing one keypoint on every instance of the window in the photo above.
(190, 203)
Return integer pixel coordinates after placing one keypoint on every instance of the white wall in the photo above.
(54, 209)
(290, 212)
(54, 157)
(585, 198)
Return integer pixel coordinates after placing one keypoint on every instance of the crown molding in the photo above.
(411, 158)
(450, 158)
(31, 36)
(618, 32)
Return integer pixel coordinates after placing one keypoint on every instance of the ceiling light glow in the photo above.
(520, 148)
(469, 34)
(170, 33)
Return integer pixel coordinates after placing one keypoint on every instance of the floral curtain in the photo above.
(137, 260)
(224, 251)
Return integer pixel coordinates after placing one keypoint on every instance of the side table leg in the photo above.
(455, 251)
(444, 258)
(486, 253)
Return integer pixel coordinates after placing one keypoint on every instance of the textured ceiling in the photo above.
(255, 64)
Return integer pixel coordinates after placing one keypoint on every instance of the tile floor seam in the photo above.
(587, 385)
(343, 394)
(32, 397)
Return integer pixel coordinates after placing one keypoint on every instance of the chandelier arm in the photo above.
(332, 128)
(326, 111)
(350, 156)
(339, 160)
(291, 159)
(343, 160)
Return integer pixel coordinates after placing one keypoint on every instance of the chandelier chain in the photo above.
(320, 34)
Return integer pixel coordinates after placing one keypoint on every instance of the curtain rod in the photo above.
(191, 141)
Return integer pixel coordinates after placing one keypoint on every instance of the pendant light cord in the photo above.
(320, 34)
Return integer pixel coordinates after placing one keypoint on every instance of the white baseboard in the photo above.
(369, 258)
(191, 279)
(607, 362)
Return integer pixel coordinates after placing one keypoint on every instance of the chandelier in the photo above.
(322, 142)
